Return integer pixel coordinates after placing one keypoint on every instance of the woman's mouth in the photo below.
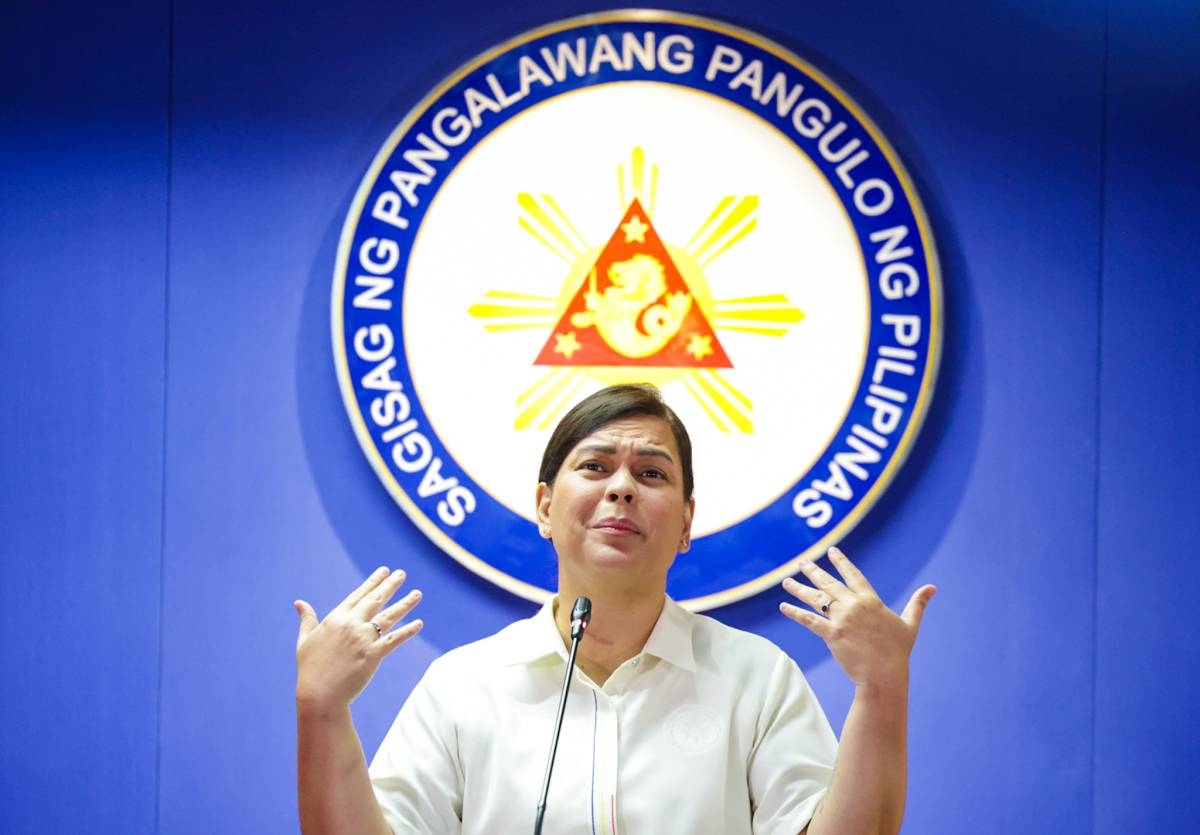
(615, 524)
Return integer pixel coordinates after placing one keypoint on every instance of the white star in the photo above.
(635, 230)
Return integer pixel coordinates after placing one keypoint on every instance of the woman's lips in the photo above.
(613, 524)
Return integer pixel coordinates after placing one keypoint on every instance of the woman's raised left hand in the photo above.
(869, 641)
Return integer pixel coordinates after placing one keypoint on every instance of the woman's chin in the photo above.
(620, 559)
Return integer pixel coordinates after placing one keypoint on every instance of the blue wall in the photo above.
(177, 465)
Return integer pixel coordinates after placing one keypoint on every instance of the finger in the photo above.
(814, 598)
(376, 577)
(855, 580)
(915, 610)
(308, 620)
(378, 597)
(396, 637)
(814, 623)
(395, 613)
(823, 580)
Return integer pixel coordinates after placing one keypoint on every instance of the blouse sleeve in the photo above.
(791, 765)
(417, 774)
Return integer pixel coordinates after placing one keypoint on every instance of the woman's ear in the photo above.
(542, 498)
(685, 538)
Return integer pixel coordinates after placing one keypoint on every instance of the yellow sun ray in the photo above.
(514, 311)
(733, 391)
(541, 217)
(565, 221)
(545, 398)
(565, 398)
(716, 394)
(632, 181)
(689, 383)
(772, 309)
(653, 190)
(733, 219)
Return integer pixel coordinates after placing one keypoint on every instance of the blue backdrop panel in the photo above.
(1148, 660)
(277, 113)
(1050, 495)
(83, 182)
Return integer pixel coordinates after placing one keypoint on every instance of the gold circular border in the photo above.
(933, 276)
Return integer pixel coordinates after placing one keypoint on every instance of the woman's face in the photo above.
(616, 512)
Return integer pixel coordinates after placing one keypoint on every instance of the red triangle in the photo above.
(634, 309)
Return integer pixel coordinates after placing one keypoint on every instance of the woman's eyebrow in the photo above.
(609, 449)
(604, 449)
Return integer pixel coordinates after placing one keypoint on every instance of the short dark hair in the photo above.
(605, 406)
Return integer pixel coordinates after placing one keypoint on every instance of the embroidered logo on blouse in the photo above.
(694, 729)
(638, 196)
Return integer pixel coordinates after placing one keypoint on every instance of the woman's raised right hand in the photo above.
(336, 657)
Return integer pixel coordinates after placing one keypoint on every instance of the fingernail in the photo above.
(789, 583)
(415, 594)
(806, 563)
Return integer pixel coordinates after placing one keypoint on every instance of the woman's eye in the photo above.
(654, 474)
(594, 466)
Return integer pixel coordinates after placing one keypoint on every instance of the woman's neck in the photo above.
(618, 631)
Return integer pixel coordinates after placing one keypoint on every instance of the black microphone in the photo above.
(581, 616)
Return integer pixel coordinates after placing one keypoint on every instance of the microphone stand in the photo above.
(581, 615)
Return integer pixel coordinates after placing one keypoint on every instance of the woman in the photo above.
(675, 724)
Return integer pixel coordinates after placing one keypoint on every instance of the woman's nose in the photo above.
(620, 487)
